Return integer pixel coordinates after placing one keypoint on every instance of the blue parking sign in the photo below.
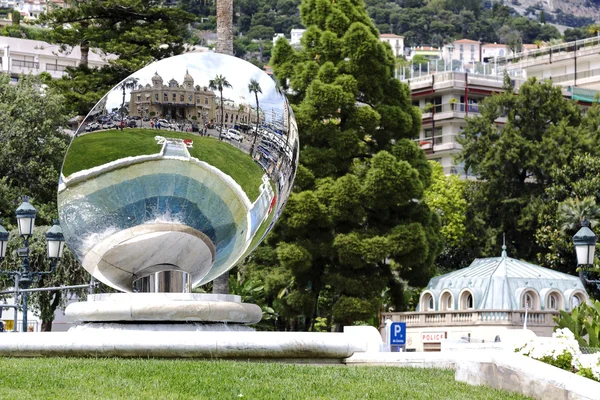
(398, 334)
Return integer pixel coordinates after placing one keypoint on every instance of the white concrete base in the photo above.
(164, 307)
(237, 345)
(113, 327)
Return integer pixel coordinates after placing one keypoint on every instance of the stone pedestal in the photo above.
(162, 312)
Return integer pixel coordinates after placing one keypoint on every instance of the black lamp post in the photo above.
(26, 214)
(3, 241)
(585, 247)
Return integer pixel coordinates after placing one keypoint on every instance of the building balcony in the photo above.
(450, 110)
(472, 317)
(439, 143)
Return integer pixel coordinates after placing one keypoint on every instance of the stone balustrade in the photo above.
(471, 317)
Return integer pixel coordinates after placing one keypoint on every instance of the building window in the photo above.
(139, 98)
(206, 100)
(166, 97)
(529, 300)
(427, 302)
(553, 302)
(466, 301)
(576, 300)
(174, 96)
(190, 98)
(156, 96)
(461, 48)
(181, 97)
(446, 301)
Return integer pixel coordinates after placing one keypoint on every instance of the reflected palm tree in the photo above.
(129, 83)
(254, 87)
(218, 83)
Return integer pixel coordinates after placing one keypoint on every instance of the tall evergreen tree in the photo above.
(512, 146)
(356, 224)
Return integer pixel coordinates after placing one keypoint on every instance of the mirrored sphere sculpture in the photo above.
(178, 173)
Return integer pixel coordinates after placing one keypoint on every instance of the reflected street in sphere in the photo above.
(184, 166)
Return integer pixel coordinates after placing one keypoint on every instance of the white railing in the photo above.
(475, 317)
(562, 48)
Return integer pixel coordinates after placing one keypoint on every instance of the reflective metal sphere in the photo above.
(184, 166)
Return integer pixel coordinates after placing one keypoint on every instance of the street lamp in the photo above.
(26, 214)
(56, 244)
(3, 241)
(585, 247)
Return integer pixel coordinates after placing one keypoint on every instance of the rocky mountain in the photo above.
(578, 8)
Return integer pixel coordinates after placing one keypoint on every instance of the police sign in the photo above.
(397, 334)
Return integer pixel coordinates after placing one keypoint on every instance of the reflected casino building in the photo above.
(174, 101)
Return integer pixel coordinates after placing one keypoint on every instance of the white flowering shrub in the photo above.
(560, 351)
(588, 365)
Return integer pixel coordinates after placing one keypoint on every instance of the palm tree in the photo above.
(218, 83)
(224, 46)
(224, 27)
(573, 211)
(254, 87)
(129, 83)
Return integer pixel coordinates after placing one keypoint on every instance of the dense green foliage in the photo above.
(355, 229)
(584, 322)
(136, 32)
(33, 146)
(31, 120)
(68, 272)
(51, 378)
(518, 161)
(438, 22)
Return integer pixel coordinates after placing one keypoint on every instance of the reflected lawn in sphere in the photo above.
(106, 378)
(94, 149)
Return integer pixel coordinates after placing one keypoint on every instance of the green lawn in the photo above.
(98, 148)
(72, 378)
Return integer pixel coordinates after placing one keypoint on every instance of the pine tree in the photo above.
(356, 226)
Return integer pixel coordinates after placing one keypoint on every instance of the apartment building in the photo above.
(31, 9)
(24, 56)
(447, 96)
(397, 43)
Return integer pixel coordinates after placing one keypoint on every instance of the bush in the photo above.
(584, 322)
(560, 352)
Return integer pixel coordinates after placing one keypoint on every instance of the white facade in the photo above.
(296, 35)
(24, 56)
(397, 43)
(31, 9)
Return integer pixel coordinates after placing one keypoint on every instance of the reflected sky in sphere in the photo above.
(183, 166)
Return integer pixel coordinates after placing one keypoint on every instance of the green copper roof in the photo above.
(498, 282)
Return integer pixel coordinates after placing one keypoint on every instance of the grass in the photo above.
(99, 148)
(87, 378)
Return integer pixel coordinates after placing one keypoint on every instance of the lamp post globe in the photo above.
(56, 241)
(26, 214)
(3, 242)
(585, 244)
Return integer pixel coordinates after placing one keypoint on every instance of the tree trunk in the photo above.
(85, 51)
(84, 47)
(224, 27)
(47, 323)
(224, 46)
(253, 148)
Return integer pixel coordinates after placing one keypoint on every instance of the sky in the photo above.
(203, 67)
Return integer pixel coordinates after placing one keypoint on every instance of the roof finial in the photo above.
(504, 245)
